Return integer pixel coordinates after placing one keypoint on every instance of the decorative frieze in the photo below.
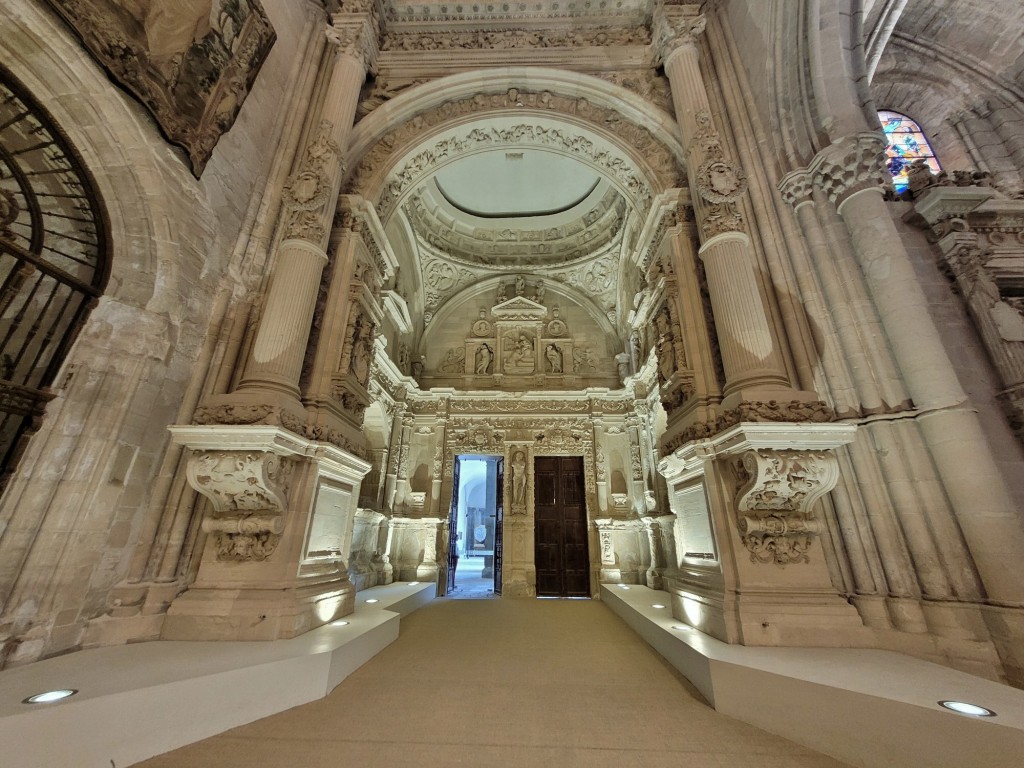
(512, 39)
(798, 411)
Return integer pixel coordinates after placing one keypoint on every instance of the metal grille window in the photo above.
(53, 260)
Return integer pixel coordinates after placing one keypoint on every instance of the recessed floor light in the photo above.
(339, 623)
(373, 600)
(963, 708)
(657, 605)
(48, 696)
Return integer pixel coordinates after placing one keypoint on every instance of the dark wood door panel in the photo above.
(560, 523)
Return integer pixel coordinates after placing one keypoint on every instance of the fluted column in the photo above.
(310, 198)
(754, 368)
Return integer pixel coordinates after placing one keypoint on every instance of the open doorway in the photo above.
(474, 528)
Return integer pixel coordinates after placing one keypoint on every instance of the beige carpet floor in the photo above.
(504, 683)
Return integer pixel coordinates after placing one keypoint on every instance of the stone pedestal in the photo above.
(751, 568)
(279, 532)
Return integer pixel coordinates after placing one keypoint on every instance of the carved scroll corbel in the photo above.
(249, 494)
(777, 491)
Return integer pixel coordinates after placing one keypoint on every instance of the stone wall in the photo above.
(79, 505)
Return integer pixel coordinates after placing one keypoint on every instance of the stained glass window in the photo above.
(907, 143)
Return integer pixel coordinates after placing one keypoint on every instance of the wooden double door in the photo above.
(560, 540)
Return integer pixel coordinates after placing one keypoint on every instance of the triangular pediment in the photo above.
(519, 308)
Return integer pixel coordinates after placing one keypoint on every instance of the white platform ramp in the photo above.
(136, 701)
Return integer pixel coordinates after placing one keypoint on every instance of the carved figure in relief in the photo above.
(501, 293)
(539, 293)
(519, 479)
(520, 285)
(554, 357)
(484, 356)
(583, 360)
(521, 359)
(482, 327)
(417, 368)
(454, 361)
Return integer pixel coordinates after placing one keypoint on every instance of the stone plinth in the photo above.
(279, 527)
(751, 568)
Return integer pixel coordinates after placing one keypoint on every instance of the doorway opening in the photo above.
(560, 545)
(474, 528)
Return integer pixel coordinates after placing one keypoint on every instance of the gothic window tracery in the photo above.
(906, 143)
(53, 260)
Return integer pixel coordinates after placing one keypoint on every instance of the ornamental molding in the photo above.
(485, 246)
(518, 37)
(398, 13)
(793, 411)
(658, 157)
(423, 163)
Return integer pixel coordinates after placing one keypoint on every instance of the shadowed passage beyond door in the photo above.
(562, 558)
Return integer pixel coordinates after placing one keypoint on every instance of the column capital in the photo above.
(850, 165)
(674, 27)
(356, 32)
(797, 188)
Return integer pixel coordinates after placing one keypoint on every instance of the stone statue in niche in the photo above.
(403, 358)
(635, 350)
(417, 368)
(539, 292)
(519, 479)
(520, 285)
(362, 350)
(484, 356)
(554, 357)
(501, 293)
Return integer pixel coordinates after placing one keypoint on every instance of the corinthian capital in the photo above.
(357, 34)
(674, 27)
